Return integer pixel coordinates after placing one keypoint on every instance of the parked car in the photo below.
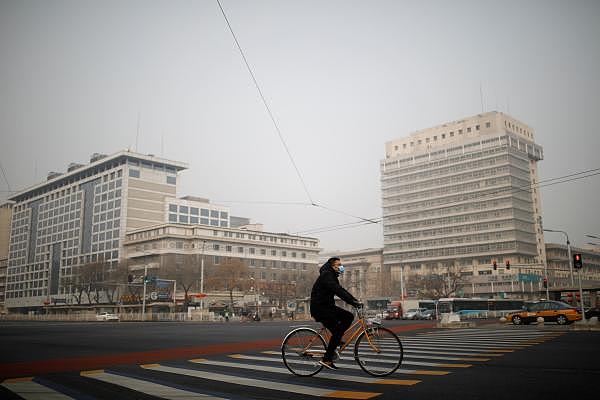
(428, 314)
(556, 311)
(415, 313)
(105, 316)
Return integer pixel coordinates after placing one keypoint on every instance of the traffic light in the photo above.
(129, 278)
(577, 261)
(507, 264)
(545, 282)
(495, 266)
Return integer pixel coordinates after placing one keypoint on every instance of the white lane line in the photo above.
(353, 366)
(464, 344)
(146, 387)
(260, 383)
(419, 363)
(478, 338)
(460, 347)
(491, 333)
(30, 390)
(409, 355)
(452, 353)
(325, 375)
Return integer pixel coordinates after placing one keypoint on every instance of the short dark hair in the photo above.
(332, 259)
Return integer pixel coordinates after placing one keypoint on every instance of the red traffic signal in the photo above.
(507, 264)
(495, 265)
(545, 283)
(577, 261)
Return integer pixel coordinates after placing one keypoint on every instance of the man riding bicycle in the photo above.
(324, 310)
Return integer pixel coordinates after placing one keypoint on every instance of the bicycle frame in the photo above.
(350, 335)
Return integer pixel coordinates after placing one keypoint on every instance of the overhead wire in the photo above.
(260, 92)
(548, 182)
(5, 178)
(276, 125)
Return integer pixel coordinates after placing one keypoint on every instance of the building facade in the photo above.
(5, 218)
(559, 271)
(364, 276)
(80, 217)
(275, 261)
(458, 196)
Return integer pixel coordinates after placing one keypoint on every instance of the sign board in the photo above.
(529, 278)
(164, 290)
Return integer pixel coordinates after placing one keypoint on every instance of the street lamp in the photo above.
(568, 253)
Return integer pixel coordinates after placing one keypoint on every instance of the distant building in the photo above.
(81, 216)
(121, 209)
(5, 218)
(458, 196)
(277, 262)
(559, 271)
(365, 276)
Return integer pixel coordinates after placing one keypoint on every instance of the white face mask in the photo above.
(341, 269)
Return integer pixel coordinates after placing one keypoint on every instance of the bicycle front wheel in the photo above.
(378, 351)
(301, 351)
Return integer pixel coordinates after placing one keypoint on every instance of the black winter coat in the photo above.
(326, 286)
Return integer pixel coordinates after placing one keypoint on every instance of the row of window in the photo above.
(173, 208)
(442, 136)
(457, 251)
(135, 173)
(186, 219)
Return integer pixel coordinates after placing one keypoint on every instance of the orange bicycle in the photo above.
(377, 350)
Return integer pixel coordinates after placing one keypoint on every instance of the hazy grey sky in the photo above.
(342, 78)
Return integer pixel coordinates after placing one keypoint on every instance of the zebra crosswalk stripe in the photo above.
(146, 387)
(30, 390)
(325, 375)
(265, 384)
(341, 365)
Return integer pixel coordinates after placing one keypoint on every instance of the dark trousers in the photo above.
(337, 320)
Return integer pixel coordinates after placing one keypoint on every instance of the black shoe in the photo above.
(328, 364)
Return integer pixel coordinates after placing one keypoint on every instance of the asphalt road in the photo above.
(240, 361)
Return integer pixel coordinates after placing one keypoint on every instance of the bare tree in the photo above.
(184, 269)
(114, 276)
(435, 286)
(229, 275)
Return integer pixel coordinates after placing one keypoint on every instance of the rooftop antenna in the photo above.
(162, 144)
(137, 134)
(481, 95)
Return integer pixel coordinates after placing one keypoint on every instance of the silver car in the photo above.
(105, 316)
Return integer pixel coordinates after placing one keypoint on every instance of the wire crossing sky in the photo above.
(340, 79)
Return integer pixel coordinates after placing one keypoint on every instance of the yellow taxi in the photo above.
(556, 311)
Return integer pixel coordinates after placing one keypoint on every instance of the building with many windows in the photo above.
(79, 217)
(196, 211)
(458, 196)
(273, 259)
(5, 218)
(364, 276)
(123, 209)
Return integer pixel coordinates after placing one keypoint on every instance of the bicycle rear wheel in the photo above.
(301, 351)
(378, 351)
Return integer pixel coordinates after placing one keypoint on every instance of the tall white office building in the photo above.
(461, 195)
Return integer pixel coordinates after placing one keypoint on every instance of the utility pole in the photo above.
(144, 296)
(202, 277)
(568, 252)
